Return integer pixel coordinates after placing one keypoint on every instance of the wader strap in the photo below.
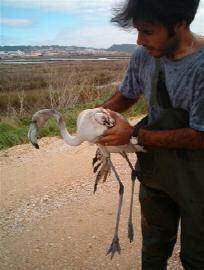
(159, 94)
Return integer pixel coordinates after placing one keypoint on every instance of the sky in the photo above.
(68, 22)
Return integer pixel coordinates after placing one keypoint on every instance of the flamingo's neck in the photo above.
(69, 139)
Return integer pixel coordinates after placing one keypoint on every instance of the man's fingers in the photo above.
(106, 140)
(111, 112)
(109, 132)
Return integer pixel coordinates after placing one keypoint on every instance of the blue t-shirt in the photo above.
(184, 80)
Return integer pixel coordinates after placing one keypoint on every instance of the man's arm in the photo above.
(182, 138)
(118, 102)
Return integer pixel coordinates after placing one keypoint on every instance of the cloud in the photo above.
(90, 10)
(64, 5)
(95, 36)
(15, 22)
(198, 24)
(90, 27)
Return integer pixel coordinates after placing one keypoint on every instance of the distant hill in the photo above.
(123, 48)
(129, 48)
(29, 47)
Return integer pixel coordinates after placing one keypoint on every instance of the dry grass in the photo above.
(67, 86)
(26, 88)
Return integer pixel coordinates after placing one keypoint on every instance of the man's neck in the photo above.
(188, 44)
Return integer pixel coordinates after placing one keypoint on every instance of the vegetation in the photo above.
(68, 87)
(60, 85)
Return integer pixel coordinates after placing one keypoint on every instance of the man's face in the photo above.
(156, 39)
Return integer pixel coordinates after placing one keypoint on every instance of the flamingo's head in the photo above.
(32, 134)
(103, 117)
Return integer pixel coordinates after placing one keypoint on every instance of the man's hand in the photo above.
(119, 134)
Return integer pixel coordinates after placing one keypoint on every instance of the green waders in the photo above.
(172, 189)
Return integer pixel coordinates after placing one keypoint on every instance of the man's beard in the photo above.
(170, 46)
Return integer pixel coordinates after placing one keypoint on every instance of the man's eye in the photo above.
(148, 33)
(145, 32)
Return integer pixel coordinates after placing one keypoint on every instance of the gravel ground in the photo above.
(50, 218)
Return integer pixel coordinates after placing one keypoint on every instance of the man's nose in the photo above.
(140, 39)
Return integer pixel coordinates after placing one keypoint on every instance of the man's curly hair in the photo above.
(166, 12)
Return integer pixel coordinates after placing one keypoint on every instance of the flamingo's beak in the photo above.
(32, 134)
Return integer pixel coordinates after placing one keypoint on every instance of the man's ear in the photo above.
(180, 26)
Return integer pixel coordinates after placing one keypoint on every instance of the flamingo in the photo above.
(91, 124)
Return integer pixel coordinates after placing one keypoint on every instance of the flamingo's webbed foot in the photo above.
(114, 247)
(130, 231)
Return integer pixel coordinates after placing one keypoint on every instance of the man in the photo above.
(177, 192)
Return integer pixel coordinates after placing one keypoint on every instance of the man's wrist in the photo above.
(133, 140)
(143, 122)
(135, 132)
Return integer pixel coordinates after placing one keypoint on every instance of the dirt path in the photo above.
(50, 218)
